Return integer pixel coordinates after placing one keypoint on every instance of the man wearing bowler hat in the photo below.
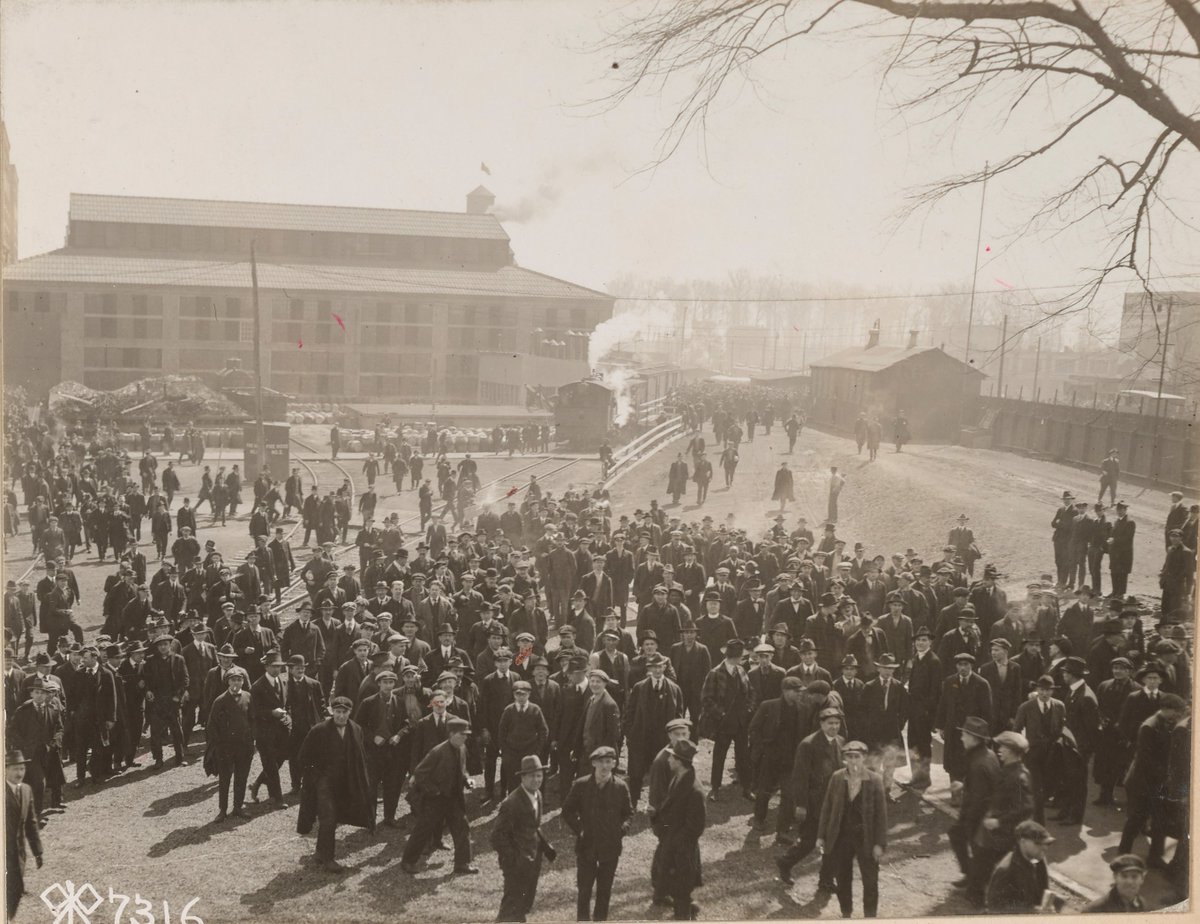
(519, 842)
(725, 716)
(598, 809)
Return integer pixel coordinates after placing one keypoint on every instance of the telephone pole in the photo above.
(261, 430)
(1003, 347)
(975, 271)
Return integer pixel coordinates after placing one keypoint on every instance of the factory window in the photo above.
(233, 308)
(174, 237)
(418, 314)
(144, 237)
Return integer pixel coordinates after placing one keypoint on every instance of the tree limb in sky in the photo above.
(1133, 62)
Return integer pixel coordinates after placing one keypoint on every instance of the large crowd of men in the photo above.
(558, 640)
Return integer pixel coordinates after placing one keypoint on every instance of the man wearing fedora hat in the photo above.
(1083, 722)
(653, 702)
(519, 841)
(1041, 720)
(725, 716)
(21, 829)
(885, 707)
(678, 824)
(1120, 548)
(1113, 751)
(36, 729)
(981, 774)
(964, 694)
(272, 725)
(165, 679)
(962, 538)
(1062, 526)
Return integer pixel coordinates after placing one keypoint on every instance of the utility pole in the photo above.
(1037, 364)
(1003, 347)
(1155, 447)
(261, 431)
(975, 271)
(804, 352)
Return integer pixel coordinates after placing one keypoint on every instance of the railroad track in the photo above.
(291, 594)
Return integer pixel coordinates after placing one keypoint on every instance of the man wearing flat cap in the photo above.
(652, 703)
(1010, 803)
(816, 758)
(438, 801)
(601, 721)
(1113, 752)
(1145, 783)
(725, 713)
(964, 693)
(337, 788)
(522, 732)
(384, 723)
(776, 728)
(847, 836)
(165, 677)
(230, 742)
(1020, 881)
(598, 808)
(678, 824)
(1125, 894)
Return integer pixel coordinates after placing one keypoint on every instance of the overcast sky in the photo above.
(397, 104)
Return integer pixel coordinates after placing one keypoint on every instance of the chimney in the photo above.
(912, 339)
(873, 336)
(480, 201)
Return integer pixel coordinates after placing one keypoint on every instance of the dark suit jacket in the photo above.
(647, 713)
(599, 816)
(1016, 886)
(439, 775)
(874, 811)
(517, 834)
(813, 764)
(1083, 718)
(1029, 722)
(1007, 696)
(1147, 774)
(601, 724)
(21, 831)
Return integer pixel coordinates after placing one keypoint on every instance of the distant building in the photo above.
(926, 384)
(1144, 330)
(356, 303)
(8, 202)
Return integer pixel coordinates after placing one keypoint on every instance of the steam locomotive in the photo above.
(583, 413)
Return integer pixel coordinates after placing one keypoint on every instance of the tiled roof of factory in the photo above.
(60, 266)
(277, 216)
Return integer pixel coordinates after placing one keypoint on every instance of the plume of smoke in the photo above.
(532, 205)
(628, 325)
(621, 380)
(566, 173)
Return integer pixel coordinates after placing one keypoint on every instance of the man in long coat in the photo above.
(21, 829)
(336, 788)
(678, 825)
(652, 703)
(230, 742)
(725, 716)
(436, 795)
(817, 757)
(776, 729)
(964, 694)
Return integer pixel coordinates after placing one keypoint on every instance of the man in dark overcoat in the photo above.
(437, 798)
(817, 757)
(230, 737)
(652, 703)
(964, 694)
(678, 825)
(337, 789)
(725, 716)
(519, 841)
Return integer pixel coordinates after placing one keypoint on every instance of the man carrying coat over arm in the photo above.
(519, 842)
